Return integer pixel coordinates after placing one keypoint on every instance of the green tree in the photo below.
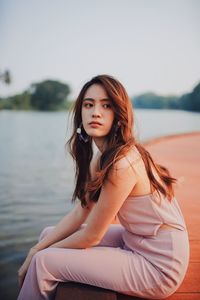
(151, 100)
(191, 101)
(49, 95)
(185, 101)
(20, 101)
(5, 76)
(195, 98)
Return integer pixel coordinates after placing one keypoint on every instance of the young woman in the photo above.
(147, 254)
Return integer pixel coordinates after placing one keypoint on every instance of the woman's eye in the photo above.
(107, 106)
(87, 105)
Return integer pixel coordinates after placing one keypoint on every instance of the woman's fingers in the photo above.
(21, 276)
(23, 269)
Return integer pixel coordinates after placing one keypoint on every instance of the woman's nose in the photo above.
(96, 111)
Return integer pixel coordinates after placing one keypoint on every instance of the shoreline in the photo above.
(153, 141)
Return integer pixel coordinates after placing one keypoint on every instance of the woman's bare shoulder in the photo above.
(130, 159)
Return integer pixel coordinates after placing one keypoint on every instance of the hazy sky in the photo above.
(150, 45)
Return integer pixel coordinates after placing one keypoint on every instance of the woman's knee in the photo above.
(113, 236)
(38, 272)
(40, 260)
(47, 264)
(45, 232)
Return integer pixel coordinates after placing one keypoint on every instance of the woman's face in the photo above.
(97, 112)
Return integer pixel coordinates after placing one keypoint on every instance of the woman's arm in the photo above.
(114, 192)
(73, 220)
(67, 226)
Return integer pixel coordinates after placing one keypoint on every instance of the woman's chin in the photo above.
(95, 134)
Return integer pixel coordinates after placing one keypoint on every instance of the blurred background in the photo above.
(48, 50)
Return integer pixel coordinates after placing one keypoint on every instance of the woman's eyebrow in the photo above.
(91, 99)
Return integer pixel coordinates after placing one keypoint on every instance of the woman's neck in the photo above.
(100, 144)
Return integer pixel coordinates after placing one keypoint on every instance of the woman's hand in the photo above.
(23, 269)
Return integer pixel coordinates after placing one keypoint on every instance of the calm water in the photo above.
(36, 176)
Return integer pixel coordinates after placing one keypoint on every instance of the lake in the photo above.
(36, 175)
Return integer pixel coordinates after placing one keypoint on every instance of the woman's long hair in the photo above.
(119, 141)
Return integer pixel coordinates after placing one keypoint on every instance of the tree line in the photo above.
(189, 101)
(48, 95)
(52, 95)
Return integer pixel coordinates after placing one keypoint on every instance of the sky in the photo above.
(149, 45)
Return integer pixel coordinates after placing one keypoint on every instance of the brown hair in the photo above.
(119, 140)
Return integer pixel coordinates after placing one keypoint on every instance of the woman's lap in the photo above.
(112, 238)
(100, 266)
(106, 265)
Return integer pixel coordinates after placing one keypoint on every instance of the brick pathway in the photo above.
(181, 154)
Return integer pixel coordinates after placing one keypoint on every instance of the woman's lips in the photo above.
(95, 124)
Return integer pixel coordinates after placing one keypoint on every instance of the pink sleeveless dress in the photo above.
(166, 250)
